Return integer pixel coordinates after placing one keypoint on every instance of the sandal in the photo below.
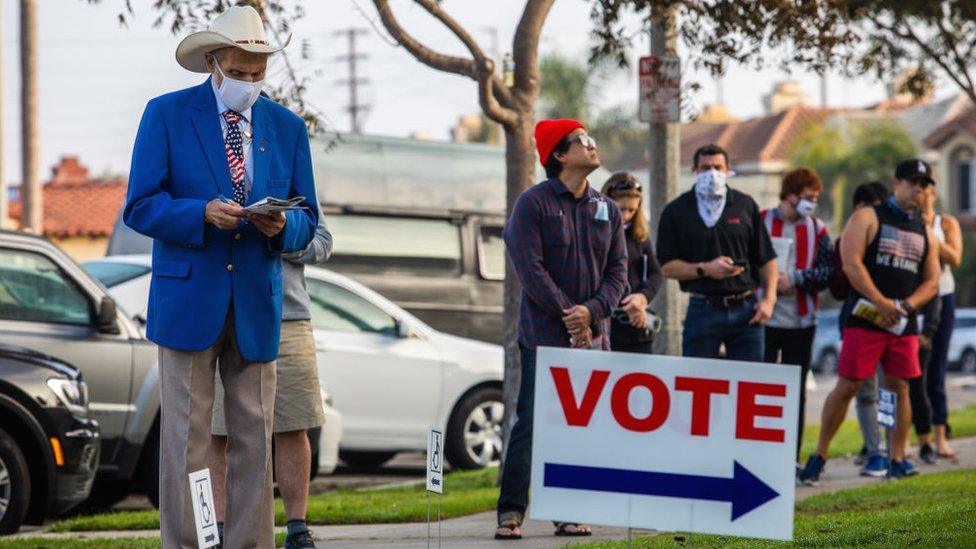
(572, 529)
(508, 529)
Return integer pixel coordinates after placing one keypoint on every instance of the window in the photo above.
(371, 244)
(338, 309)
(965, 186)
(112, 274)
(491, 253)
(965, 322)
(32, 288)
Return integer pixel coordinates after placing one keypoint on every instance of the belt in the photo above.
(727, 301)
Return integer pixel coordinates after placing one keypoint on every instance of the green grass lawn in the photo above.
(96, 543)
(467, 492)
(848, 440)
(932, 510)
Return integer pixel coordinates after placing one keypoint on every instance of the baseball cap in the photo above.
(914, 170)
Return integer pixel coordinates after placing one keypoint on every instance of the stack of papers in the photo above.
(866, 310)
(270, 204)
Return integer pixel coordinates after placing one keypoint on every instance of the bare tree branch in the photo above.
(433, 7)
(427, 56)
(526, 46)
(949, 42)
(489, 103)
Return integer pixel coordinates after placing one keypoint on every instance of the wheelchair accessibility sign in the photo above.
(201, 493)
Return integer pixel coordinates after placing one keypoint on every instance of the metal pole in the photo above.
(30, 187)
(665, 165)
(4, 211)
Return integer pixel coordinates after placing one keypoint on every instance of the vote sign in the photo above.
(665, 443)
(887, 408)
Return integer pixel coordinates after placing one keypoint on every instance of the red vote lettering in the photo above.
(747, 411)
(660, 402)
(580, 415)
(701, 398)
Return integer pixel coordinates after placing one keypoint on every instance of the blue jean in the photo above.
(866, 405)
(939, 361)
(514, 496)
(707, 326)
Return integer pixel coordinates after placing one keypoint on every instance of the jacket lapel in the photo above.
(261, 149)
(207, 126)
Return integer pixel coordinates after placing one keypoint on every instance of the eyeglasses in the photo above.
(585, 140)
(625, 185)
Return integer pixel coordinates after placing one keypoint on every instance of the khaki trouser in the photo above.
(187, 392)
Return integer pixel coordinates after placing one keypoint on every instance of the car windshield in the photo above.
(111, 273)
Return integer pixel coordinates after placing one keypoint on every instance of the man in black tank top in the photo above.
(891, 260)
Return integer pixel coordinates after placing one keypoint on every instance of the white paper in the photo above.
(270, 204)
(435, 460)
(866, 310)
(201, 494)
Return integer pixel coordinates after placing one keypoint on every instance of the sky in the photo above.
(95, 77)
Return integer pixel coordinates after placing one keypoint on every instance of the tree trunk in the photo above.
(30, 186)
(520, 162)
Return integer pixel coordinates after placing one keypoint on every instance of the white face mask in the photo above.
(238, 95)
(711, 183)
(805, 207)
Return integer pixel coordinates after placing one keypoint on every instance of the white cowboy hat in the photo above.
(238, 27)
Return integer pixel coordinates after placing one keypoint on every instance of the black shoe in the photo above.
(862, 457)
(301, 540)
(926, 454)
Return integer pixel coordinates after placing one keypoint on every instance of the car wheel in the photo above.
(474, 434)
(149, 466)
(828, 362)
(15, 488)
(967, 363)
(365, 459)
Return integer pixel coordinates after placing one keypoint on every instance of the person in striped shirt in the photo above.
(805, 258)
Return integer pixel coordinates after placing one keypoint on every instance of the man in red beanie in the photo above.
(566, 241)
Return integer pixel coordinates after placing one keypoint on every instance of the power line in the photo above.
(353, 57)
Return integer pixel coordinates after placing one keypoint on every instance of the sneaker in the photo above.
(927, 454)
(876, 466)
(810, 475)
(300, 540)
(862, 457)
(902, 469)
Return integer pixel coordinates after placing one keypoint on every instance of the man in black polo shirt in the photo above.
(712, 240)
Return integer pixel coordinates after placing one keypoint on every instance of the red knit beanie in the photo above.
(548, 133)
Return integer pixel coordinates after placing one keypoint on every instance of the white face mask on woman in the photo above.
(238, 95)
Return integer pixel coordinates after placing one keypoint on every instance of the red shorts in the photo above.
(863, 348)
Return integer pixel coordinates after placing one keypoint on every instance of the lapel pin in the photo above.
(262, 148)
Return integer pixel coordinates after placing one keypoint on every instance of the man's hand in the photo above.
(764, 310)
(924, 341)
(223, 215)
(269, 225)
(890, 312)
(784, 284)
(721, 267)
(583, 339)
(635, 305)
(577, 318)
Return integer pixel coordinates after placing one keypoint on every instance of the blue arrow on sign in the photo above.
(744, 490)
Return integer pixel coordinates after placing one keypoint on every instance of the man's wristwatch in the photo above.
(909, 310)
(700, 271)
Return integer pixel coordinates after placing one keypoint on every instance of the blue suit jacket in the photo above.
(178, 165)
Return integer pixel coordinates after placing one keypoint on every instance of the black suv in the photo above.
(48, 445)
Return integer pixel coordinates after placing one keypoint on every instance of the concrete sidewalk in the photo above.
(477, 530)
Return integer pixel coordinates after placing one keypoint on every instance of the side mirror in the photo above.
(106, 323)
(404, 330)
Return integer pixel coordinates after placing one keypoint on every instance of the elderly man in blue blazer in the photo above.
(201, 155)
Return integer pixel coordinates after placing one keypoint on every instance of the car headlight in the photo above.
(73, 394)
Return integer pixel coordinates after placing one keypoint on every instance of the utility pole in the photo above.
(4, 210)
(353, 81)
(665, 155)
(823, 90)
(30, 186)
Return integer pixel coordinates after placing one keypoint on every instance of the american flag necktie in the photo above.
(234, 146)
